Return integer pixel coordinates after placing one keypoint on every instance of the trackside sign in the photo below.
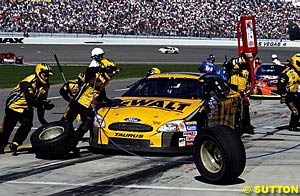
(11, 40)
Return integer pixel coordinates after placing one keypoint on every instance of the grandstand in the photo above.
(188, 18)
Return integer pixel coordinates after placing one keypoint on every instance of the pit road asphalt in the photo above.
(272, 159)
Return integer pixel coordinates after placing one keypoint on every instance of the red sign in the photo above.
(248, 31)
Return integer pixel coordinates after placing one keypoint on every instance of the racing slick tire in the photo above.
(219, 154)
(52, 140)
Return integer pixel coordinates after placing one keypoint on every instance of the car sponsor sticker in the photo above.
(190, 138)
(190, 133)
(165, 105)
(132, 119)
(129, 135)
(189, 143)
(181, 142)
(191, 126)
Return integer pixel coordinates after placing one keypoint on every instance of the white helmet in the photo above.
(274, 56)
(97, 52)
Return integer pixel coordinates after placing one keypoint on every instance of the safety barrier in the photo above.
(6, 38)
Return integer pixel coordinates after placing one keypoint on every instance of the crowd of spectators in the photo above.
(200, 18)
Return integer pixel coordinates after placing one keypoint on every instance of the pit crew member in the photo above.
(223, 72)
(31, 92)
(239, 77)
(289, 89)
(208, 66)
(91, 93)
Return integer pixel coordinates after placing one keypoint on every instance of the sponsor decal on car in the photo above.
(132, 119)
(129, 135)
(167, 105)
(181, 142)
(190, 138)
(191, 126)
(190, 133)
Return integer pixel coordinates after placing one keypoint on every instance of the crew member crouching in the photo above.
(29, 93)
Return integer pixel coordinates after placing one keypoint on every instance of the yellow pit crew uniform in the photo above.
(91, 92)
(29, 93)
(289, 89)
(239, 77)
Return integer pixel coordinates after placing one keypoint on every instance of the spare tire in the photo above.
(219, 154)
(52, 140)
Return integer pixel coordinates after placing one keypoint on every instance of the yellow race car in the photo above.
(164, 112)
(177, 112)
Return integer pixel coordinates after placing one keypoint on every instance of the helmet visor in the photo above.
(44, 74)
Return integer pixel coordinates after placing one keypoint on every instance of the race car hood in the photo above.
(152, 111)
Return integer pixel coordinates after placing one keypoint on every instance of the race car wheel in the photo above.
(219, 154)
(52, 140)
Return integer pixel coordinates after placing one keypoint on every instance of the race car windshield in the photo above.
(273, 70)
(164, 87)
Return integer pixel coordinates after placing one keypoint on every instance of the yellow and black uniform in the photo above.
(289, 89)
(91, 92)
(30, 92)
(70, 89)
(239, 77)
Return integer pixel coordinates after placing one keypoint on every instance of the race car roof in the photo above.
(192, 75)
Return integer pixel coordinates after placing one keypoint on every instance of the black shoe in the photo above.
(2, 150)
(293, 129)
(14, 148)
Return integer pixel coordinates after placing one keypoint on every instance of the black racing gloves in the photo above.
(47, 105)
